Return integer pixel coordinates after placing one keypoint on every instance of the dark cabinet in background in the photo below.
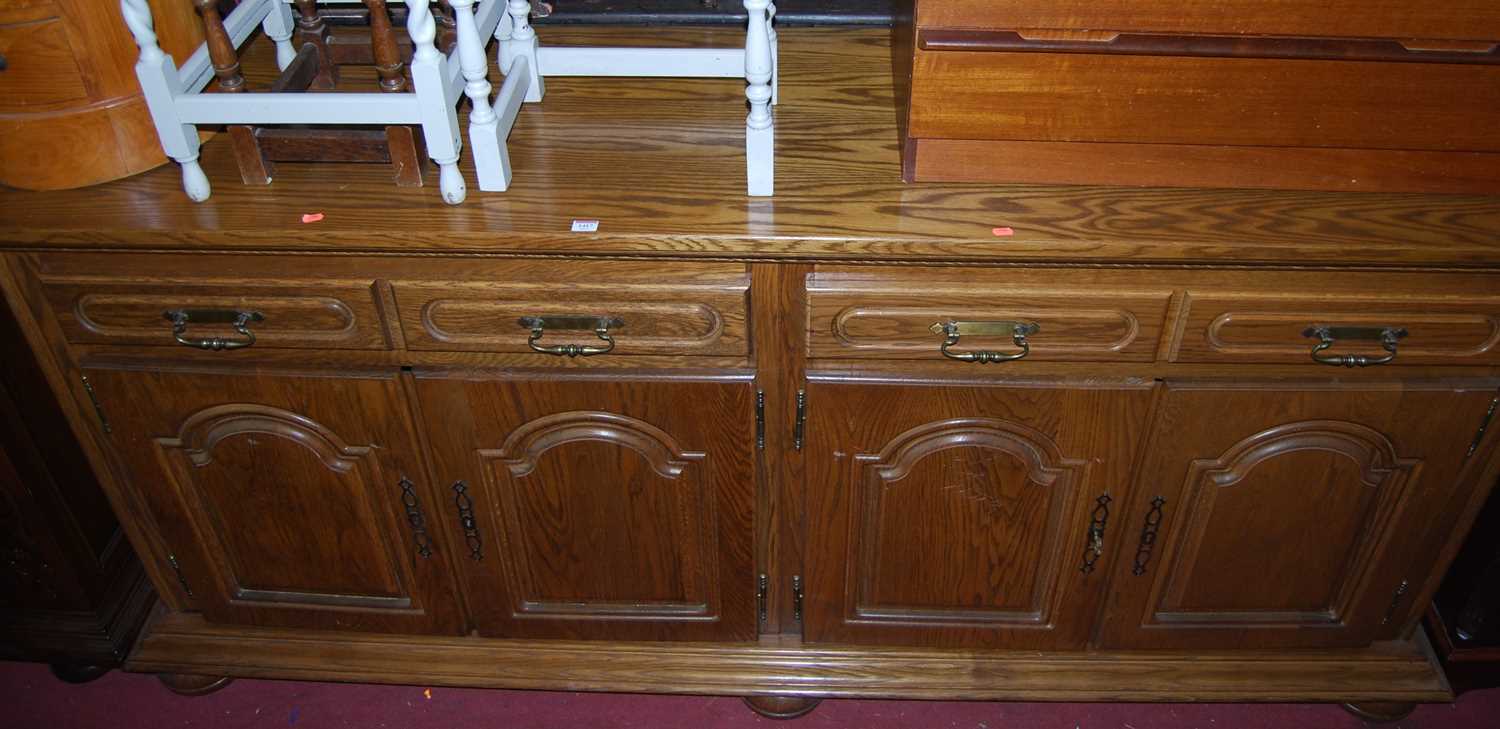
(72, 592)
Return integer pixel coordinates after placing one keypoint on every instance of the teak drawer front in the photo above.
(1457, 327)
(892, 316)
(117, 302)
(674, 310)
(1329, 18)
(1086, 97)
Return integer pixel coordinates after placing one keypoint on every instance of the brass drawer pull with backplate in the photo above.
(239, 320)
(1018, 331)
(1328, 335)
(599, 324)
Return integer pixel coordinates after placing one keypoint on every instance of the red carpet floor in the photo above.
(30, 698)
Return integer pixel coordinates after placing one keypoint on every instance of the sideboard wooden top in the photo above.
(659, 163)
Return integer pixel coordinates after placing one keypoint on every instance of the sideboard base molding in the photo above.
(1394, 672)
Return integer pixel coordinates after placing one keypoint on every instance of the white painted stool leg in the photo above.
(503, 33)
(278, 27)
(429, 69)
(523, 42)
(485, 144)
(775, 58)
(159, 85)
(760, 130)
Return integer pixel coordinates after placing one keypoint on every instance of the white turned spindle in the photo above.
(485, 144)
(278, 26)
(520, 16)
(429, 71)
(471, 62)
(522, 42)
(775, 59)
(503, 55)
(160, 86)
(759, 125)
(138, 19)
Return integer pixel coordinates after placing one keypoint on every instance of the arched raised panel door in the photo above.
(286, 500)
(1276, 517)
(963, 515)
(601, 509)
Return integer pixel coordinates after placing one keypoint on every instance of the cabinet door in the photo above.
(964, 515)
(600, 508)
(1270, 516)
(286, 500)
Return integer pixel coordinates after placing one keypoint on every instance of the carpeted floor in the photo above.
(30, 698)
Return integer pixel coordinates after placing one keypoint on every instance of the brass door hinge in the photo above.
(760, 420)
(88, 387)
(1484, 425)
(172, 560)
(797, 598)
(762, 589)
(800, 427)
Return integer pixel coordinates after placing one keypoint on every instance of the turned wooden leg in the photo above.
(781, 707)
(192, 684)
(311, 29)
(1380, 711)
(77, 673)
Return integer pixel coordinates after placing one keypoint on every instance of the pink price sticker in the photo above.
(1003, 232)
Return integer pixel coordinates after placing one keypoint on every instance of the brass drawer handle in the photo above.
(599, 324)
(1328, 335)
(240, 320)
(1018, 331)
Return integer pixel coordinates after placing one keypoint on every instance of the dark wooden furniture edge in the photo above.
(1389, 672)
(104, 638)
(1466, 669)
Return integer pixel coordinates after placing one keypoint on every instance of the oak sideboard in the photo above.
(859, 439)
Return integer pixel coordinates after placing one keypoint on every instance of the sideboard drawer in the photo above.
(680, 309)
(1456, 324)
(863, 313)
(131, 300)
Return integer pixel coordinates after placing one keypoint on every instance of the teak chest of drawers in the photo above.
(852, 441)
(1303, 94)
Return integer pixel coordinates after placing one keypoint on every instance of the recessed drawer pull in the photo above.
(240, 320)
(599, 324)
(1328, 335)
(1018, 331)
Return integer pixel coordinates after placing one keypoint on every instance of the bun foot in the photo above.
(191, 684)
(1381, 711)
(781, 707)
(77, 673)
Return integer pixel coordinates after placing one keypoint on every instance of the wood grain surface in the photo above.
(1149, 99)
(1401, 671)
(284, 499)
(600, 510)
(1453, 19)
(960, 516)
(660, 165)
(1298, 487)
